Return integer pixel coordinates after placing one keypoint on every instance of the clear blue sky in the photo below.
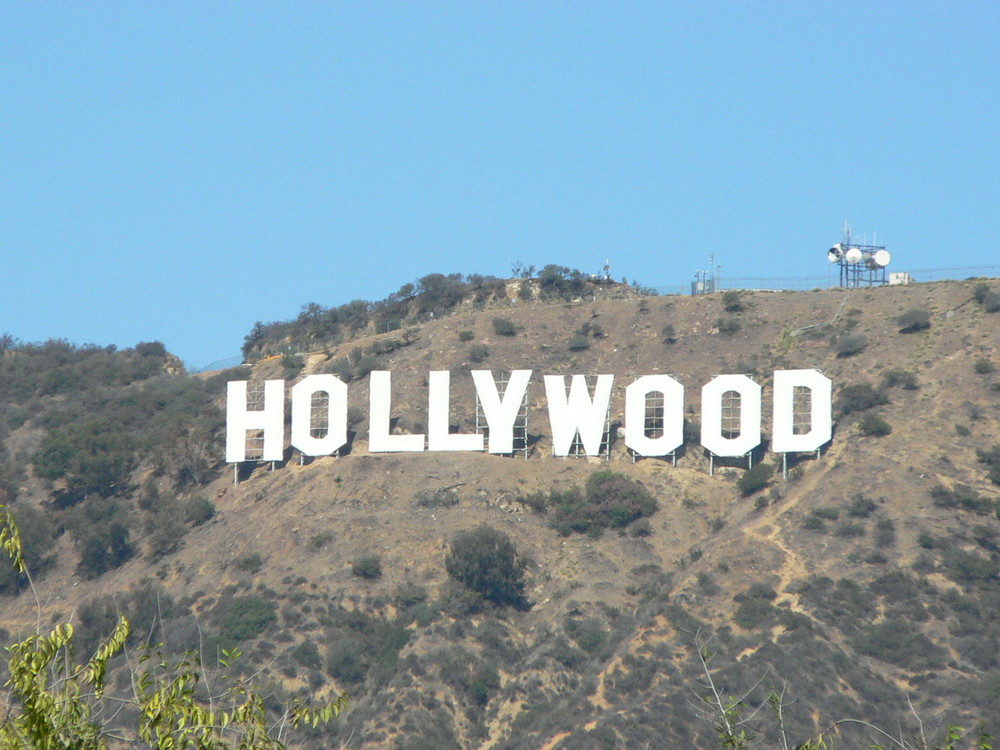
(177, 171)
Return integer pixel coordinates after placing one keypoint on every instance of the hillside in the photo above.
(869, 577)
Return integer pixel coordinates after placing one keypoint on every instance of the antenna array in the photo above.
(860, 264)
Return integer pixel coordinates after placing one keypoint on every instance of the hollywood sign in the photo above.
(573, 412)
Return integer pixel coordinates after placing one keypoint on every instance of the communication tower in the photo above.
(705, 280)
(860, 264)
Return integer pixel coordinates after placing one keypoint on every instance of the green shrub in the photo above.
(850, 344)
(898, 642)
(567, 655)
(292, 363)
(989, 299)
(885, 532)
(578, 342)
(486, 561)
(251, 562)
(991, 302)
(320, 540)
(608, 500)
(367, 566)
(859, 397)
(346, 660)
(504, 327)
(872, 425)
(813, 523)
(560, 282)
(199, 510)
(980, 291)
(755, 479)
(478, 353)
(484, 682)
(588, 634)
(442, 498)
(914, 320)
(537, 501)
(409, 594)
(101, 529)
(306, 654)
(904, 378)
(243, 617)
(668, 335)
(861, 506)
(727, 326)
(732, 301)
(847, 528)
(984, 366)
(641, 528)
(755, 607)
(962, 497)
(970, 568)
(95, 456)
(165, 530)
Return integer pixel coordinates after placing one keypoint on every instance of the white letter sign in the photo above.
(335, 418)
(380, 402)
(438, 403)
(711, 415)
(501, 413)
(578, 413)
(784, 439)
(270, 419)
(635, 415)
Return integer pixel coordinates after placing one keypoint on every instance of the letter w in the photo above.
(577, 413)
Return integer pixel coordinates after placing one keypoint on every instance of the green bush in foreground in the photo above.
(54, 703)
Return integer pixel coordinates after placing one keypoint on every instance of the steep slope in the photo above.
(868, 577)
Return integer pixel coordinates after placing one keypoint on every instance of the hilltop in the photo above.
(868, 577)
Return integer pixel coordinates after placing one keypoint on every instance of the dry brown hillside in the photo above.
(870, 576)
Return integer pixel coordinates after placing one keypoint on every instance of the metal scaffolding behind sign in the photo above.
(520, 442)
(254, 445)
(577, 448)
(801, 420)
(732, 425)
(319, 420)
(653, 422)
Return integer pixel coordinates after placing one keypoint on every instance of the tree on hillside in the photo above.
(92, 457)
(487, 562)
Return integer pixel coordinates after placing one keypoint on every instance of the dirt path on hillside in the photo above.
(768, 529)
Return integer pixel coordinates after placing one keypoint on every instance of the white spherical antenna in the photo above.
(882, 258)
(834, 254)
(853, 255)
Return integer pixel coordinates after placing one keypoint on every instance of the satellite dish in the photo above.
(853, 255)
(834, 254)
(882, 258)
